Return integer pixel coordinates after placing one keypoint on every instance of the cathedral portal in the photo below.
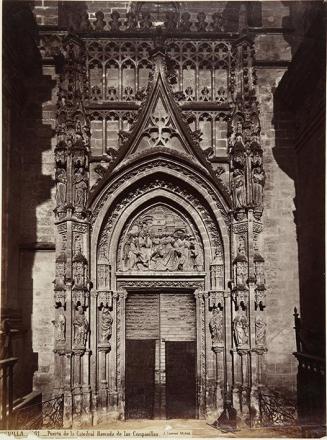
(158, 265)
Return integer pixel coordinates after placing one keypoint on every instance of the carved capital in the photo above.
(60, 298)
(104, 348)
(216, 298)
(199, 296)
(122, 295)
(206, 295)
(80, 296)
(217, 348)
(105, 298)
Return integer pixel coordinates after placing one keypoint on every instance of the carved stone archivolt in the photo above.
(190, 245)
(148, 168)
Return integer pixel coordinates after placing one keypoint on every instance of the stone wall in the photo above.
(279, 239)
(36, 232)
(33, 188)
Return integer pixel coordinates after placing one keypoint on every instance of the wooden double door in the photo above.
(160, 370)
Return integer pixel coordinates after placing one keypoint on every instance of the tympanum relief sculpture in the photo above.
(161, 240)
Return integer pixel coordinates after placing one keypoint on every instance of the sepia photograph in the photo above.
(163, 219)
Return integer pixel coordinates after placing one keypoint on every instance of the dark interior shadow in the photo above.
(25, 186)
(299, 122)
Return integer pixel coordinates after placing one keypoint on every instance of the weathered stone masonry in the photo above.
(180, 122)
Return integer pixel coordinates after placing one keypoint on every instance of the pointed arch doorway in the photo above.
(162, 241)
(161, 249)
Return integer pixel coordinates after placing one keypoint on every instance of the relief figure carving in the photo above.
(161, 241)
(161, 252)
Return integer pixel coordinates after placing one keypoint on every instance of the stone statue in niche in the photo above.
(77, 244)
(60, 328)
(259, 273)
(216, 326)
(60, 270)
(241, 330)
(80, 188)
(81, 327)
(241, 246)
(103, 276)
(106, 325)
(78, 269)
(61, 179)
(161, 241)
(258, 181)
(241, 273)
(238, 189)
(260, 332)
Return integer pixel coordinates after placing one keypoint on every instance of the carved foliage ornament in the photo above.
(184, 284)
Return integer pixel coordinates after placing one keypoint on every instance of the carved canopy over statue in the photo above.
(160, 240)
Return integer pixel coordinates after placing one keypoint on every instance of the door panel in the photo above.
(180, 379)
(140, 362)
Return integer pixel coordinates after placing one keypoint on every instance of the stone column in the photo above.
(217, 327)
(104, 329)
(201, 353)
(120, 350)
(72, 284)
(247, 179)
